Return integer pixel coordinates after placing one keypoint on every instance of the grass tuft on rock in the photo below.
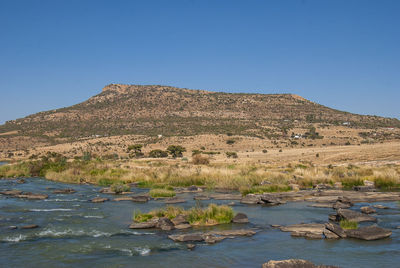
(346, 224)
(157, 193)
(211, 215)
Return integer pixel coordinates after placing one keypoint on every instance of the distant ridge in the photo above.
(154, 109)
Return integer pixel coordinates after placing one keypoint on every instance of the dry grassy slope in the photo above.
(152, 110)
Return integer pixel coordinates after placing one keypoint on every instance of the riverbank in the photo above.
(170, 173)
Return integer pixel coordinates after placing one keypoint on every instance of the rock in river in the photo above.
(165, 224)
(174, 200)
(140, 198)
(240, 218)
(144, 225)
(367, 210)
(352, 215)
(31, 226)
(99, 200)
(294, 263)
(64, 191)
(369, 233)
(336, 229)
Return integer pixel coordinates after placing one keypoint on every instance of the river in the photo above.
(74, 232)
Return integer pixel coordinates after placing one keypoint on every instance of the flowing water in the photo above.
(74, 232)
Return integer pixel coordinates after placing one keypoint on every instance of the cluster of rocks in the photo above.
(25, 195)
(294, 263)
(323, 196)
(332, 230)
(179, 222)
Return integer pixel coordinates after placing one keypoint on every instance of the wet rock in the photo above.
(293, 263)
(240, 232)
(251, 199)
(187, 237)
(240, 218)
(180, 219)
(336, 229)
(212, 239)
(276, 226)
(12, 227)
(99, 200)
(330, 235)
(21, 181)
(174, 200)
(380, 207)
(191, 246)
(333, 217)
(308, 235)
(64, 191)
(201, 197)
(315, 228)
(106, 191)
(272, 200)
(352, 215)
(165, 224)
(33, 196)
(322, 205)
(231, 204)
(339, 205)
(183, 226)
(369, 233)
(31, 226)
(140, 198)
(144, 225)
(367, 210)
(11, 192)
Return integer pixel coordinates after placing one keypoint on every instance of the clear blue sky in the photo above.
(343, 54)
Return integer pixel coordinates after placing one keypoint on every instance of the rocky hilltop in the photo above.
(153, 109)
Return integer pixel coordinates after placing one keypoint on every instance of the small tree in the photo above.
(231, 154)
(230, 141)
(176, 150)
(158, 153)
(135, 150)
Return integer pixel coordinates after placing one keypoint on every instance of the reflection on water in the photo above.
(75, 232)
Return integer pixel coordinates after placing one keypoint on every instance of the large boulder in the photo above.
(240, 218)
(293, 263)
(272, 200)
(369, 233)
(352, 215)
